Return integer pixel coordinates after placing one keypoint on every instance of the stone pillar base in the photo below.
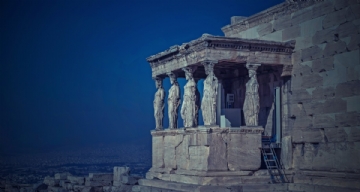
(205, 152)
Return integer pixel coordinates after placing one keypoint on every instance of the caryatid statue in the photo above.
(173, 101)
(159, 104)
(252, 104)
(189, 109)
(208, 102)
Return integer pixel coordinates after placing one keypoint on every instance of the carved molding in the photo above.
(287, 70)
(252, 66)
(172, 74)
(189, 70)
(207, 41)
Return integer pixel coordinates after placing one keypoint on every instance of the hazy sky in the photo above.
(74, 72)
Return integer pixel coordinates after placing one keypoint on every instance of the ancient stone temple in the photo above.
(280, 104)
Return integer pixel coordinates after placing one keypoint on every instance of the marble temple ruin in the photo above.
(280, 104)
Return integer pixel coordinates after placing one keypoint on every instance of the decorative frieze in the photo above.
(230, 49)
(247, 130)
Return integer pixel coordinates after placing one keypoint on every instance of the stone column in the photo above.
(173, 101)
(159, 104)
(252, 103)
(208, 102)
(189, 108)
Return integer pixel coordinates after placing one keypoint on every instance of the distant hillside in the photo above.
(96, 154)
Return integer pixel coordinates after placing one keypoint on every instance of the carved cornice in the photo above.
(286, 71)
(207, 41)
(172, 75)
(286, 8)
(252, 66)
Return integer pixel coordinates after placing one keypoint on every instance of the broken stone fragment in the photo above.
(63, 183)
(123, 188)
(69, 186)
(78, 187)
(96, 183)
(118, 172)
(129, 180)
(101, 176)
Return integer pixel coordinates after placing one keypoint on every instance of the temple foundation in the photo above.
(206, 155)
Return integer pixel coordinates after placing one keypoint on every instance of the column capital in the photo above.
(171, 74)
(158, 78)
(209, 65)
(189, 69)
(252, 66)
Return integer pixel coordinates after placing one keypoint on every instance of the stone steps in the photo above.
(147, 185)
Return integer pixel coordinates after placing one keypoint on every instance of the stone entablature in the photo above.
(221, 50)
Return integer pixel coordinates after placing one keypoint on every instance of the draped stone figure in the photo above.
(173, 101)
(208, 102)
(159, 104)
(189, 109)
(251, 104)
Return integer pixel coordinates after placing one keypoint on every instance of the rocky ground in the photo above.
(119, 180)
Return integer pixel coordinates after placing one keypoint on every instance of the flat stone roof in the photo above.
(229, 51)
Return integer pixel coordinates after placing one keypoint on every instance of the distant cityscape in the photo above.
(33, 168)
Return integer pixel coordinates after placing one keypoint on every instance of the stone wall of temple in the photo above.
(208, 156)
(321, 100)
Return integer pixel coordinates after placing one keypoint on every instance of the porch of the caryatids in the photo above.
(252, 102)
(173, 101)
(208, 102)
(189, 108)
(159, 104)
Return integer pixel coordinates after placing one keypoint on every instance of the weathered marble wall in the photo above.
(207, 149)
(321, 102)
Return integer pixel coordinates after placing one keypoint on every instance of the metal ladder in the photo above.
(273, 164)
